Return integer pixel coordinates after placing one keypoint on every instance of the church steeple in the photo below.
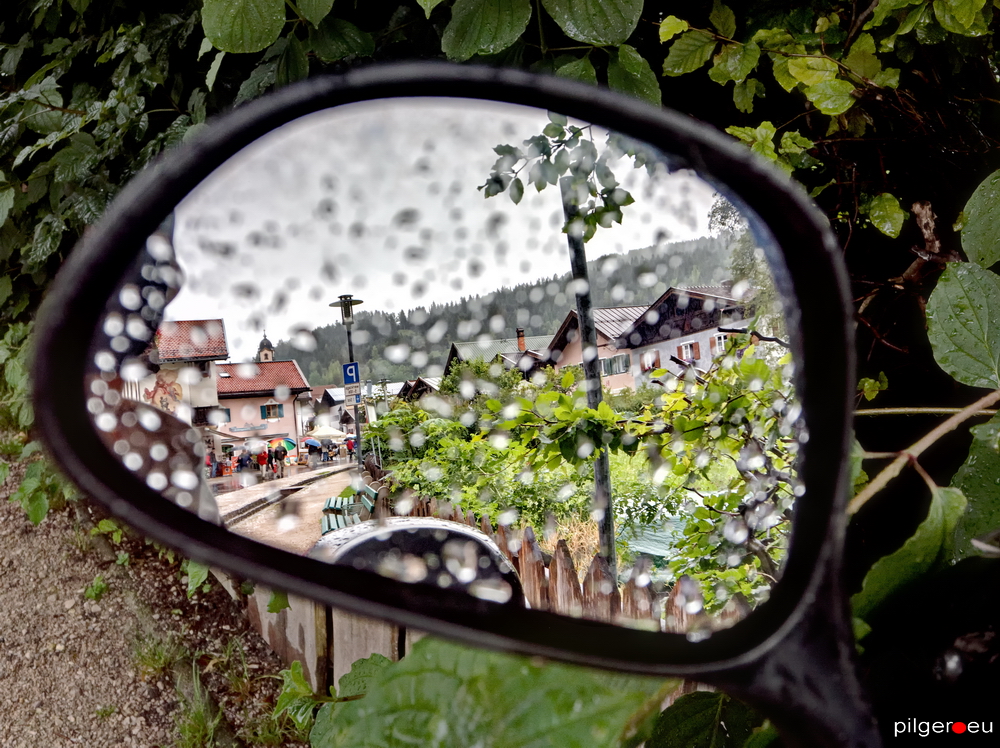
(265, 351)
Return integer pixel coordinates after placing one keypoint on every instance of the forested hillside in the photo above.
(636, 278)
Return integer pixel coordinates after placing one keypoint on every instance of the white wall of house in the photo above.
(617, 361)
(698, 350)
(247, 420)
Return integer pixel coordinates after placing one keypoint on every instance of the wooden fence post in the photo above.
(601, 601)
(565, 595)
(533, 571)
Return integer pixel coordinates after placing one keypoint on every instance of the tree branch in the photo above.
(896, 466)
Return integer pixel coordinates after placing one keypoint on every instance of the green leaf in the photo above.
(744, 93)
(428, 6)
(516, 190)
(482, 27)
(6, 203)
(793, 141)
(928, 548)
(760, 139)
(963, 17)
(723, 19)
(831, 97)
(961, 324)
(978, 479)
(885, 8)
(691, 50)
(242, 25)
(314, 10)
(197, 574)
(453, 697)
(862, 59)
(671, 26)
(596, 21)
(362, 674)
(213, 71)
(812, 70)
(33, 499)
(981, 232)
(336, 39)
(886, 214)
(580, 70)
(628, 72)
(293, 65)
(735, 62)
(331, 720)
(6, 288)
(704, 719)
(278, 601)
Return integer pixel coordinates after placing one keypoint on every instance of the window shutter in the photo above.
(712, 345)
(263, 412)
(281, 411)
(228, 416)
(695, 351)
(680, 352)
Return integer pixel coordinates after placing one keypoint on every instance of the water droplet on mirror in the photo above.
(735, 531)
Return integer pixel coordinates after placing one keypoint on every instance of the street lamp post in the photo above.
(347, 303)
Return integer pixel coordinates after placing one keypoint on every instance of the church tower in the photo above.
(265, 351)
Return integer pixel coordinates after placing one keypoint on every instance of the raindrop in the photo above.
(735, 531)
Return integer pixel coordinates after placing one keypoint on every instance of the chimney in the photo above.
(520, 339)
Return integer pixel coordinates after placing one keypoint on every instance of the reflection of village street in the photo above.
(287, 512)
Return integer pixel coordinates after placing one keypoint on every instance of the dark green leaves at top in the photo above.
(596, 21)
(314, 10)
(691, 50)
(483, 27)
(704, 719)
(450, 696)
(336, 39)
(243, 25)
(981, 233)
(723, 19)
(961, 324)
(629, 73)
(978, 479)
(929, 547)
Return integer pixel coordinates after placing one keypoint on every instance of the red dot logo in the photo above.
(958, 727)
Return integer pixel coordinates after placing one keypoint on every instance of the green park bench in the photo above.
(338, 520)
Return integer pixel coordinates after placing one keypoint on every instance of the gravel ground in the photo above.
(113, 672)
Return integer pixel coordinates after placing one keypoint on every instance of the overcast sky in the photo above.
(380, 200)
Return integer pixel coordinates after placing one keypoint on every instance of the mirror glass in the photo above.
(562, 350)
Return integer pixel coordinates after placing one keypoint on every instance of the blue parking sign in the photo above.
(352, 373)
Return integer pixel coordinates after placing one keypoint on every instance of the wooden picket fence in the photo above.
(551, 582)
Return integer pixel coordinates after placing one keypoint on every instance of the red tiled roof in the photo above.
(192, 340)
(236, 380)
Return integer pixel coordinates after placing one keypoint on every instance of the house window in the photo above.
(219, 416)
(649, 360)
(718, 343)
(272, 411)
(689, 352)
(615, 365)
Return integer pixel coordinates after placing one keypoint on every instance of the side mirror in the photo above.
(532, 228)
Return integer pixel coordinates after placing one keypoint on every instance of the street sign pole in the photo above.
(352, 391)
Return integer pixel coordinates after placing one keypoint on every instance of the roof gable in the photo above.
(264, 377)
(610, 323)
(192, 340)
